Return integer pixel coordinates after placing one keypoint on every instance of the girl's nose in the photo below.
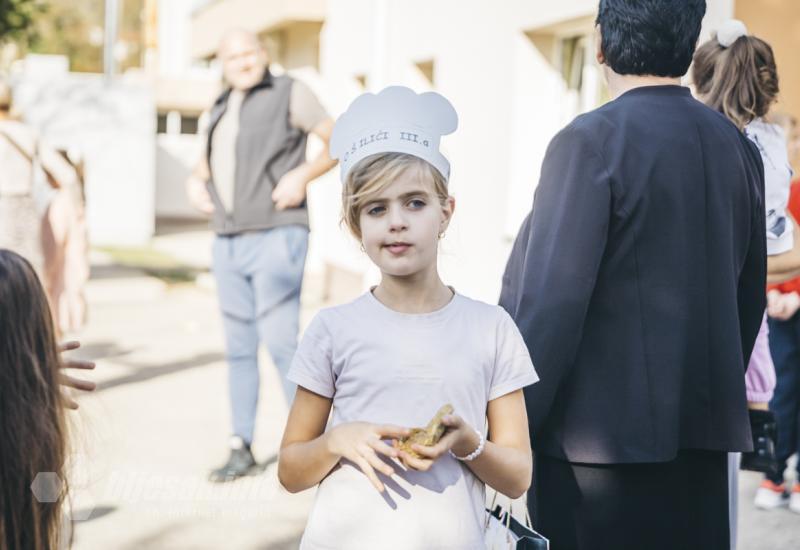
(397, 220)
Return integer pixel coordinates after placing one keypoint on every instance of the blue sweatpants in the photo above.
(259, 276)
(784, 344)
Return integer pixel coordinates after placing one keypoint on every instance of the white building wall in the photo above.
(113, 128)
(717, 11)
(182, 88)
(509, 94)
(212, 19)
(506, 86)
(174, 36)
(176, 157)
(505, 97)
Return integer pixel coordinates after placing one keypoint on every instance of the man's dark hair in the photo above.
(650, 37)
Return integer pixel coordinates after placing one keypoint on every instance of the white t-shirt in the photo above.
(382, 366)
(771, 142)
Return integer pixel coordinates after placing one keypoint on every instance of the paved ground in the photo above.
(159, 422)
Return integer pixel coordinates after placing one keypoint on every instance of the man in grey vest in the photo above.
(253, 181)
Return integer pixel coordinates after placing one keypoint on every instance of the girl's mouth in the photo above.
(397, 248)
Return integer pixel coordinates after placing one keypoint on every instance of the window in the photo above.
(173, 122)
(189, 124)
(573, 54)
(556, 78)
(426, 69)
(581, 75)
(161, 123)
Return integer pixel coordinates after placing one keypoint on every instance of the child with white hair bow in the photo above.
(736, 74)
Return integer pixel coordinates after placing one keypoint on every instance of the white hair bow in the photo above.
(730, 31)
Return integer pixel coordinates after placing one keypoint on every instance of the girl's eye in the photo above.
(416, 204)
(375, 210)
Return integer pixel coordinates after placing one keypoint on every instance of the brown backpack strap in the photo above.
(32, 159)
(21, 150)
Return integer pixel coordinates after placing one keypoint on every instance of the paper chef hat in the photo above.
(396, 120)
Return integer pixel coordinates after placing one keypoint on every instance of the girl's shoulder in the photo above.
(491, 321)
(348, 311)
(491, 313)
(762, 129)
(366, 310)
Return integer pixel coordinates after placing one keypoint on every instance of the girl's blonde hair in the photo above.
(372, 174)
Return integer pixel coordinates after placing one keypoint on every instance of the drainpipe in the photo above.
(379, 72)
(110, 40)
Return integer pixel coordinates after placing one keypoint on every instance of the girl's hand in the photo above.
(361, 442)
(782, 306)
(69, 381)
(459, 438)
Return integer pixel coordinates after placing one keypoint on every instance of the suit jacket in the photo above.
(637, 281)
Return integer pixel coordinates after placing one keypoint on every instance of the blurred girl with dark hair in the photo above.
(33, 427)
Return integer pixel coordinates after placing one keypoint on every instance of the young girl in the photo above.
(33, 433)
(784, 343)
(389, 360)
(735, 73)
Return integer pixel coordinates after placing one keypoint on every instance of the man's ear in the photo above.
(598, 45)
(263, 55)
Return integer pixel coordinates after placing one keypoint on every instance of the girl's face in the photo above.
(401, 224)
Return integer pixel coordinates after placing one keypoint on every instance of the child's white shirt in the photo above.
(385, 367)
(771, 142)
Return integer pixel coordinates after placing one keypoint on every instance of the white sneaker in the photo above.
(794, 499)
(770, 496)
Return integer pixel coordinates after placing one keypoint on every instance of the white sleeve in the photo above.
(513, 368)
(771, 142)
(312, 367)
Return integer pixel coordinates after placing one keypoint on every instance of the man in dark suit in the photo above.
(638, 283)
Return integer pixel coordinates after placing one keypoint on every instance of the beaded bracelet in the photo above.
(474, 454)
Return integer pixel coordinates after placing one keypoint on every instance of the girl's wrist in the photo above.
(329, 440)
(467, 443)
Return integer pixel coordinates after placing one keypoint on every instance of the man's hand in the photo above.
(291, 189)
(198, 195)
(69, 381)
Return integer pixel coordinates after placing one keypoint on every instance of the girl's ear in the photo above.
(448, 208)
